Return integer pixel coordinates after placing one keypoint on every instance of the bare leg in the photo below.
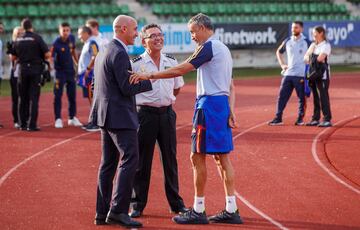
(198, 161)
(226, 172)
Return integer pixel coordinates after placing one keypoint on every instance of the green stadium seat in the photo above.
(157, 9)
(195, 8)
(2, 12)
(125, 9)
(10, 10)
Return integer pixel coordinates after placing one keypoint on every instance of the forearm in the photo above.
(74, 56)
(232, 97)
(175, 71)
(280, 58)
(321, 57)
(91, 64)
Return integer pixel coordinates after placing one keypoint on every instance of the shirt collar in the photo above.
(321, 43)
(212, 37)
(122, 43)
(147, 57)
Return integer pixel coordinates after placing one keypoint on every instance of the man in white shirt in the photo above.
(157, 122)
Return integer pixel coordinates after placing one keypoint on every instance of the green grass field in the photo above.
(239, 73)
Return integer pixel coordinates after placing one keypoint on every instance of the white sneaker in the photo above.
(59, 124)
(74, 122)
(16, 125)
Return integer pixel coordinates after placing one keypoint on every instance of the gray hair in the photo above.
(202, 19)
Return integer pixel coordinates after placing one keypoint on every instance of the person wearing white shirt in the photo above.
(321, 49)
(293, 72)
(157, 122)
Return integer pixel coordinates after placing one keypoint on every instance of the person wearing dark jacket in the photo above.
(30, 51)
(114, 111)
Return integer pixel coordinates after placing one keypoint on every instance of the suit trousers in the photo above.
(157, 125)
(117, 145)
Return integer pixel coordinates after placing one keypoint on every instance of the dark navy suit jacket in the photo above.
(114, 105)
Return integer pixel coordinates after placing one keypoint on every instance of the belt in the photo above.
(158, 110)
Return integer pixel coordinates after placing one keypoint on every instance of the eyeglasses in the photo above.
(154, 36)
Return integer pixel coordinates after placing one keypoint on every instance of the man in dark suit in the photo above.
(114, 111)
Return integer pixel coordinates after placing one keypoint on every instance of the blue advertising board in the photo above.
(339, 33)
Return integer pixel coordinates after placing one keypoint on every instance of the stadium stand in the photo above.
(245, 11)
(47, 14)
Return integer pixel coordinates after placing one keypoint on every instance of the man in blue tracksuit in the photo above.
(293, 72)
(63, 53)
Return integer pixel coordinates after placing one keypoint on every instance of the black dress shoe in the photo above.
(135, 213)
(122, 219)
(179, 210)
(33, 129)
(100, 219)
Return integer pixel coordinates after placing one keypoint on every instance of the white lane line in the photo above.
(259, 212)
(246, 202)
(13, 169)
(318, 161)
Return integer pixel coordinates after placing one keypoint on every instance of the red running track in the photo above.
(287, 177)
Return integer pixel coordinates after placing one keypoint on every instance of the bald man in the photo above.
(114, 111)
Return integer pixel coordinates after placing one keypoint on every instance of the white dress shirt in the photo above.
(162, 93)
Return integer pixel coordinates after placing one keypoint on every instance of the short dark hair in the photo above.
(64, 24)
(93, 23)
(300, 23)
(149, 26)
(85, 29)
(26, 24)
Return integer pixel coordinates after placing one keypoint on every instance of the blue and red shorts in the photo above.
(85, 83)
(211, 133)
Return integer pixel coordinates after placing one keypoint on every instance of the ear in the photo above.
(143, 42)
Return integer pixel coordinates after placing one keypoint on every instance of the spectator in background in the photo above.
(1, 68)
(31, 51)
(14, 75)
(293, 72)
(86, 66)
(99, 38)
(64, 56)
(318, 54)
